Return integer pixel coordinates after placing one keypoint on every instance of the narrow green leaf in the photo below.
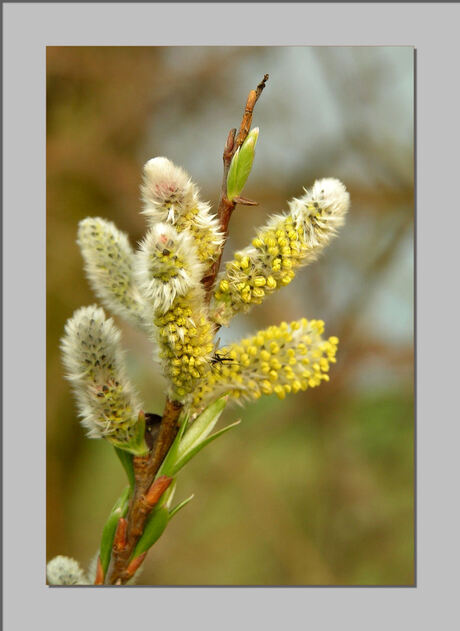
(199, 446)
(246, 158)
(153, 530)
(177, 508)
(202, 426)
(231, 177)
(108, 533)
(241, 165)
(126, 460)
(172, 455)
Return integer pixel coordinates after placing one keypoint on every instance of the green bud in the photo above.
(241, 165)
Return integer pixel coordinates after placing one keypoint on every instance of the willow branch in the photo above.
(226, 207)
(122, 566)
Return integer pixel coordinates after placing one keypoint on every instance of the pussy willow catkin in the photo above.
(286, 243)
(170, 196)
(169, 274)
(280, 359)
(92, 355)
(109, 265)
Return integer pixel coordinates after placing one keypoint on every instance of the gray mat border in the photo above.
(28, 28)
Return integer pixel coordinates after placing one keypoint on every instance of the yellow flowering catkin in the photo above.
(169, 274)
(281, 359)
(169, 195)
(286, 243)
(185, 337)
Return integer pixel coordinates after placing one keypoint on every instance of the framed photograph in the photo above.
(281, 277)
(247, 487)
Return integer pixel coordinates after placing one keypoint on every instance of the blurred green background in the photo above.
(314, 490)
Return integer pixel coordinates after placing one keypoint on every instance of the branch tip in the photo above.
(226, 207)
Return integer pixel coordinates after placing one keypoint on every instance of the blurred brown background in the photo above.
(317, 489)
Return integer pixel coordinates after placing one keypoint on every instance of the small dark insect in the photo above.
(217, 358)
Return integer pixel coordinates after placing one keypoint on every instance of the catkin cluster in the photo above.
(158, 288)
(182, 243)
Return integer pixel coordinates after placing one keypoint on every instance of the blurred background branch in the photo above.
(320, 491)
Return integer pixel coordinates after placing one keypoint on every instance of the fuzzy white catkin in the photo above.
(167, 266)
(170, 196)
(65, 571)
(93, 358)
(321, 211)
(109, 262)
(167, 191)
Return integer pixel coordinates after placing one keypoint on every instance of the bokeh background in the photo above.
(314, 490)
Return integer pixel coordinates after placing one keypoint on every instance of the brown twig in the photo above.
(248, 112)
(226, 207)
(147, 491)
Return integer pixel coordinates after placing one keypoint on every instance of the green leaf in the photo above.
(178, 507)
(241, 165)
(232, 190)
(126, 460)
(108, 533)
(199, 446)
(192, 440)
(154, 528)
(172, 455)
(202, 426)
